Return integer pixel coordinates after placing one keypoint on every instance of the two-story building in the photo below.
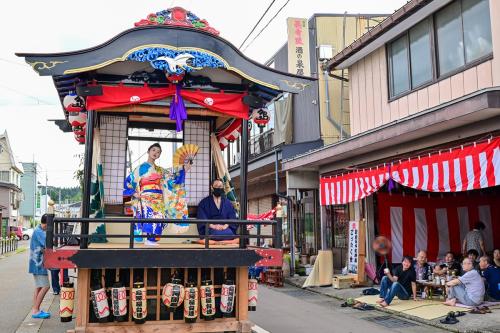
(27, 208)
(422, 165)
(10, 190)
(318, 115)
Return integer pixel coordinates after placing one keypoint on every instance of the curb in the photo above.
(13, 253)
(30, 325)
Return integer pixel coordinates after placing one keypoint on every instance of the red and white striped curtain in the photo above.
(350, 187)
(436, 224)
(465, 168)
(469, 168)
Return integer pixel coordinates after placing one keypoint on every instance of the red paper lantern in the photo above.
(73, 103)
(77, 118)
(262, 118)
(79, 130)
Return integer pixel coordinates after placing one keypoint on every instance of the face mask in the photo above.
(218, 192)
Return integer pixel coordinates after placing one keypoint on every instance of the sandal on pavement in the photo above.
(449, 320)
(459, 313)
(485, 309)
(478, 311)
(41, 315)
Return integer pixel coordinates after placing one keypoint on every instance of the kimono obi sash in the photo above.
(151, 183)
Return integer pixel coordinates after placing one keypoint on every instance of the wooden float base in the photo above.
(239, 323)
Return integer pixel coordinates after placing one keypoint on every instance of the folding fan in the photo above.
(185, 154)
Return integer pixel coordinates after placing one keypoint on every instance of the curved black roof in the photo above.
(175, 38)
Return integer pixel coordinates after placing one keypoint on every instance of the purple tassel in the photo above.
(390, 182)
(178, 109)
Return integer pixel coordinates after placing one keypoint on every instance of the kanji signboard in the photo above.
(298, 46)
(352, 265)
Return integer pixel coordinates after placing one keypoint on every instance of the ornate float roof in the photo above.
(174, 40)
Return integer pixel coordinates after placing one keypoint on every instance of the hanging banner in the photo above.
(298, 46)
(352, 265)
(465, 168)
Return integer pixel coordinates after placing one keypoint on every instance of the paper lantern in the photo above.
(190, 303)
(67, 302)
(173, 294)
(207, 298)
(119, 301)
(139, 303)
(262, 118)
(77, 118)
(100, 303)
(252, 294)
(227, 295)
(73, 103)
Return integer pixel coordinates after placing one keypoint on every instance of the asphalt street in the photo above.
(293, 310)
(16, 289)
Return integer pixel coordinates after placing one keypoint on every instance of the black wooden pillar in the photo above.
(87, 173)
(243, 180)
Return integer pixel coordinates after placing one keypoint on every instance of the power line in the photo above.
(25, 65)
(272, 18)
(256, 24)
(40, 101)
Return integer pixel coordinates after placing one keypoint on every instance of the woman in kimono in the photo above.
(158, 193)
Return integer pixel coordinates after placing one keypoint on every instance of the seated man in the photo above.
(217, 207)
(467, 289)
(449, 265)
(491, 275)
(473, 255)
(422, 268)
(402, 283)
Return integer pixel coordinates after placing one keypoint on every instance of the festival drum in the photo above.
(100, 303)
(139, 303)
(252, 294)
(190, 302)
(207, 298)
(227, 298)
(119, 301)
(173, 295)
(67, 302)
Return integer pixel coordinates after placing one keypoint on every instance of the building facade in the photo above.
(10, 190)
(424, 97)
(27, 208)
(318, 115)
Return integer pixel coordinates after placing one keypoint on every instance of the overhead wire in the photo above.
(256, 24)
(264, 28)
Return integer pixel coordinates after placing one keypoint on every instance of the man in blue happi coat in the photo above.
(217, 207)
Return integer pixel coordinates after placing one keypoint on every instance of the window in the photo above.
(4, 176)
(400, 81)
(411, 59)
(449, 37)
(477, 31)
(462, 34)
(420, 54)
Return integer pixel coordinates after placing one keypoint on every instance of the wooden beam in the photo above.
(218, 325)
(82, 298)
(242, 287)
(361, 250)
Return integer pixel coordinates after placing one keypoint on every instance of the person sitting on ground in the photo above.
(474, 239)
(217, 207)
(491, 275)
(422, 268)
(472, 254)
(496, 257)
(402, 283)
(40, 274)
(449, 265)
(467, 289)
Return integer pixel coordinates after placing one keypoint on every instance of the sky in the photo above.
(28, 101)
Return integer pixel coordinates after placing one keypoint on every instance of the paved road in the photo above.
(16, 290)
(292, 310)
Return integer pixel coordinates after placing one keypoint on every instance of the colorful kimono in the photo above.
(159, 194)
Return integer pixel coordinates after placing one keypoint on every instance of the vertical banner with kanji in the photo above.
(298, 46)
(352, 265)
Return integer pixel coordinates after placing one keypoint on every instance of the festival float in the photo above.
(174, 77)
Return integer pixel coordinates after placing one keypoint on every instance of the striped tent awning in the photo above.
(465, 168)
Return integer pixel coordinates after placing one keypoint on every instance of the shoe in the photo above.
(55, 293)
(478, 311)
(150, 243)
(47, 313)
(41, 315)
(450, 319)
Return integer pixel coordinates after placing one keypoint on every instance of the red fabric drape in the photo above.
(436, 224)
(228, 103)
